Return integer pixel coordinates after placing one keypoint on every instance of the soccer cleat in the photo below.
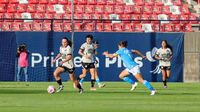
(93, 89)
(134, 86)
(61, 87)
(101, 85)
(165, 87)
(80, 91)
(153, 92)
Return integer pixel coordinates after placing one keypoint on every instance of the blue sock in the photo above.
(148, 85)
(82, 80)
(97, 80)
(127, 79)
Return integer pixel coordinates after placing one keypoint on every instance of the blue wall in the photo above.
(46, 44)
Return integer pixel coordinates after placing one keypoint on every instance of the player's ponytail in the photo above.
(123, 43)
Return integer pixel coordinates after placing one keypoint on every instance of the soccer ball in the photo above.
(51, 89)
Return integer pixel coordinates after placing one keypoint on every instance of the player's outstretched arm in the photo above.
(109, 55)
(139, 53)
(58, 56)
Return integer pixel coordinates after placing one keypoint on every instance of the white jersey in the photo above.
(64, 52)
(88, 49)
(164, 54)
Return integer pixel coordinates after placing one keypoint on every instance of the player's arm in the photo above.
(110, 55)
(58, 56)
(157, 56)
(68, 57)
(80, 52)
(138, 53)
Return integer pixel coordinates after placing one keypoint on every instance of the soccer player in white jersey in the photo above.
(164, 55)
(65, 65)
(100, 85)
(87, 51)
(131, 66)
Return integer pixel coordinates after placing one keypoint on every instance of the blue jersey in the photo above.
(126, 56)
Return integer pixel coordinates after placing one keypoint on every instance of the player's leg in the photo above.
(123, 75)
(147, 84)
(18, 72)
(101, 85)
(75, 82)
(82, 79)
(92, 72)
(57, 77)
(26, 73)
(164, 75)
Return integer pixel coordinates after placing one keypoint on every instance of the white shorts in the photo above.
(135, 70)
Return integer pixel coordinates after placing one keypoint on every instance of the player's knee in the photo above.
(121, 77)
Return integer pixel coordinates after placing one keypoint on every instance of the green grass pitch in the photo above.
(115, 97)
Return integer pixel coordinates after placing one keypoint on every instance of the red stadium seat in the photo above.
(48, 16)
(36, 26)
(107, 27)
(185, 10)
(31, 8)
(111, 2)
(88, 27)
(26, 26)
(68, 9)
(89, 9)
(57, 27)
(145, 17)
(11, 8)
(8, 16)
(50, 9)
(137, 9)
(119, 9)
(87, 17)
(4, 1)
(184, 17)
(21, 8)
(101, 2)
(125, 17)
(77, 27)
(67, 16)
(139, 2)
(154, 17)
(174, 17)
(193, 17)
(149, 2)
(79, 9)
(147, 10)
(157, 9)
(38, 16)
(137, 27)
(1, 16)
(75, 2)
(91, 2)
(40, 8)
(2, 8)
(53, 1)
(58, 16)
(14, 1)
(99, 9)
(135, 17)
(157, 28)
(128, 27)
(43, 1)
(106, 16)
(17, 16)
(33, 1)
(5, 26)
(177, 28)
(109, 9)
(168, 27)
(118, 27)
(67, 27)
(128, 9)
(120, 2)
(16, 26)
(177, 2)
(187, 28)
(166, 10)
(82, 2)
(99, 27)
(46, 27)
(158, 3)
(64, 2)
(96, 16)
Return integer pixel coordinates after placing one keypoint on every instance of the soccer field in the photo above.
(115, 97)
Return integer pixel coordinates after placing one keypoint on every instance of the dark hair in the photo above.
(123, 43)
(168, 46)
(69, 42)
(95, 42)
(89, 36)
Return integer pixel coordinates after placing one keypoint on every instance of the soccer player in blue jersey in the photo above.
(131, 66)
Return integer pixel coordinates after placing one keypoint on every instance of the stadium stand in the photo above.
(103, 15)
